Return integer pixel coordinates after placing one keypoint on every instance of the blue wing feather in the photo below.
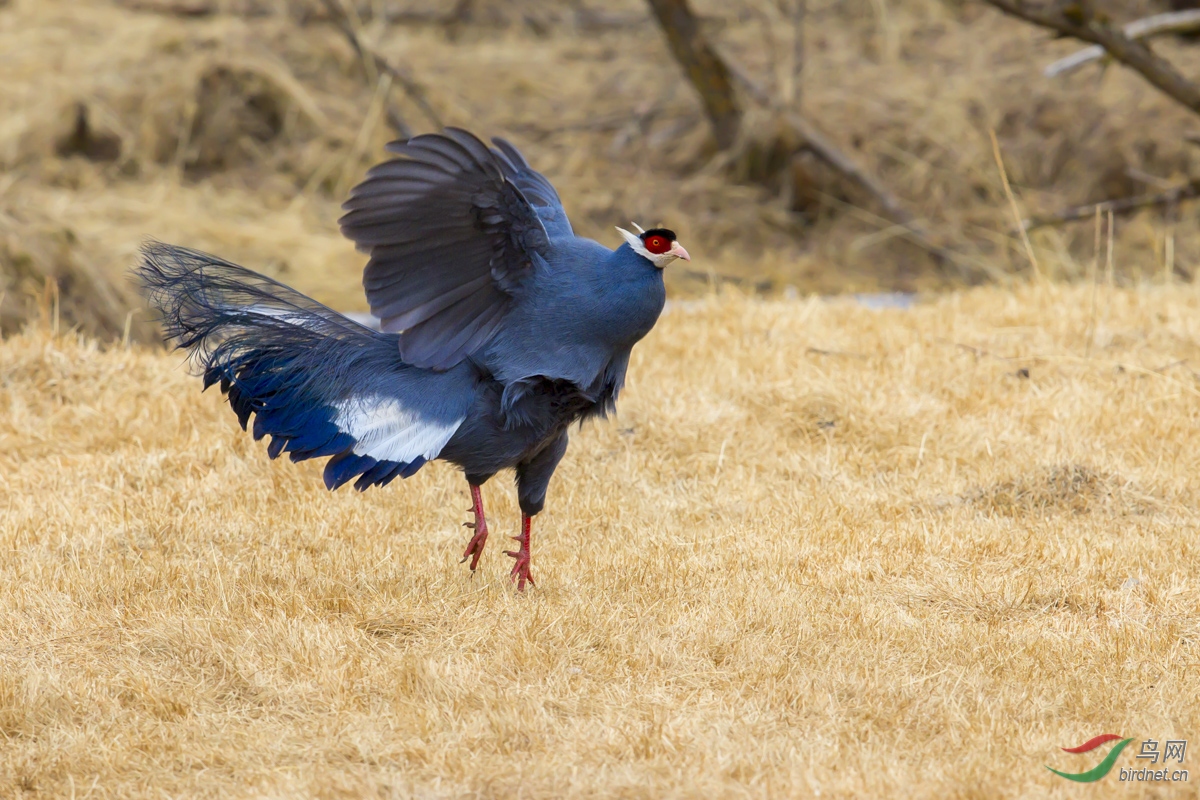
(452, 229)
(536, 188)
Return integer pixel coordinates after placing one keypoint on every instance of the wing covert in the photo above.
(451, 234)
(537, 189)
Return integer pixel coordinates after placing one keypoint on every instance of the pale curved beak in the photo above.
(678, 251)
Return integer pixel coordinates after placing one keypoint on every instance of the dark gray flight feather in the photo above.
(451, 235)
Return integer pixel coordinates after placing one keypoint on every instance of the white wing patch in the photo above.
(387, 431)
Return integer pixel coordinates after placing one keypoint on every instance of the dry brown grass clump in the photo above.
(760, 579)
(1071, 487)
(47, 273)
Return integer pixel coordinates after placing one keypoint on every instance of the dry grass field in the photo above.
(822, 550)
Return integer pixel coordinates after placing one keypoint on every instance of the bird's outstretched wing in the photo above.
(537, 189)
(451, 234)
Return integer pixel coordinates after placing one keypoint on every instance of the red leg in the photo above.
(520, 571)
(475, 546)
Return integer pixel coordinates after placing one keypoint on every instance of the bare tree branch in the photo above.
(1075, 18)
(459, 13)
(799, 12)
(589, 19)
(686, 40)
(712, 74)
(782, 38)
(1144, 28)
(703, 67)
(1122, 204)
(177, 8)
(380, 64)
(844, 165)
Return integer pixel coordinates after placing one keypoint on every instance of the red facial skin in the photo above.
(657, 244)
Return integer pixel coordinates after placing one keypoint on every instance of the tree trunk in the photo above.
(703, 68)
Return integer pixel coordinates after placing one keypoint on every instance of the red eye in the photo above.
(657, 244)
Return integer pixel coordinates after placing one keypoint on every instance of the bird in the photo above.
(499, 329)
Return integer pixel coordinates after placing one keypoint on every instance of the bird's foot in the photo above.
(475, 546)
(520, 571)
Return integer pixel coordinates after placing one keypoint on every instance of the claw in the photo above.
(475, 549)
(520, 572)
(475, 546)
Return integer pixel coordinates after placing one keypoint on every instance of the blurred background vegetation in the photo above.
(862, 157)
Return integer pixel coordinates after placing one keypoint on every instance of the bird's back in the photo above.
(579, 319)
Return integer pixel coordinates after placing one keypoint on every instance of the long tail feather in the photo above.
(285, 358)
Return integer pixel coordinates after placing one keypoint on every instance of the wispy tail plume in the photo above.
(283, 357)
(206, 304)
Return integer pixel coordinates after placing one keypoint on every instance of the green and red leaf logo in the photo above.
(1104, 767)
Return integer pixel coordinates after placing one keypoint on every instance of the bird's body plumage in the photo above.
(501, 327)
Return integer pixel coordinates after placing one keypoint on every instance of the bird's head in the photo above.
(657, 245)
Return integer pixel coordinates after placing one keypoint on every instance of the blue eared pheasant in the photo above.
(500, 328)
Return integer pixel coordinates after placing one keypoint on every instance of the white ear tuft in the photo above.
(634, 240)
(640, 229)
